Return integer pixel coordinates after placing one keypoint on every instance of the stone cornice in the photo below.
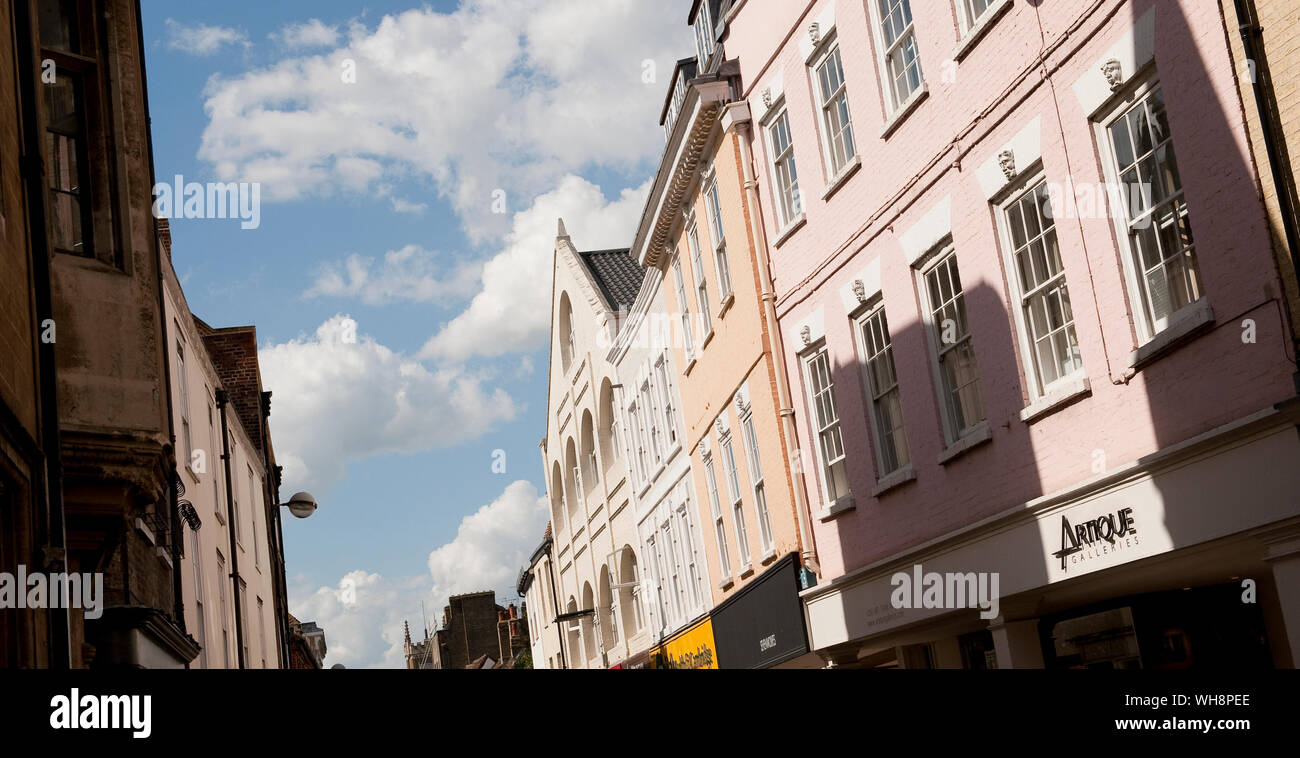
(678, 167)
(138, 461)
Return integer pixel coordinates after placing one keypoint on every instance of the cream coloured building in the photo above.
(228, 565)
(589, 611)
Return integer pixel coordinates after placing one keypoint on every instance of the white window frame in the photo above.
(650, 401)
(182, 384)
(766, 539)
(787, 201)
(695, 574)
(252, 517)
(720, 528)
(931, 261)
(638, 445)
(727, 450)
(688, 331)
(701, 282)
(704, 46)
(1147, 326)
(668, 406)
(1020, 299)
(196, 564)
(884, 53)
(718, 237)
(831, 49)
(829, 499)
(968, 18)
(902, 453)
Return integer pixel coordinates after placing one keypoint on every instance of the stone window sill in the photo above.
(748, 572)
(690, 365)
(894, 480)
(1065, 393)
(1187, 325)
(726, 584)
(795, 225)
(768, 557)
(727, 302)
(839, 179)
(842, 505)
(707, 339)
(981, 27)
(903, 111)
(975, 437)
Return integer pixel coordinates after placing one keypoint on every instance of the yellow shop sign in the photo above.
(692, 649)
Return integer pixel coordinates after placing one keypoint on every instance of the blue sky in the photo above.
(382, 216)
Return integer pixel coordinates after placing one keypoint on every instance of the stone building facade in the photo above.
(82, 232)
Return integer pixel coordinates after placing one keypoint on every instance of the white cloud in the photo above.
(363, 614)
(498, 94)
(406, 206)
(492, 545)
(513, 310)
(201, 39)
(340, 396)
(411, 274)
(313, 33)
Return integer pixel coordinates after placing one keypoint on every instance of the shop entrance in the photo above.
(1200, 627)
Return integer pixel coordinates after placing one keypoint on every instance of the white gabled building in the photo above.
(584, 595)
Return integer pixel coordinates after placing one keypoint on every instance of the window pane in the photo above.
(59, 25)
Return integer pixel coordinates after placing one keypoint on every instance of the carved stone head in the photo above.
(815, 33)
(740, 403)
(1114, 73)
(1007, 161)
(767, 97)
(717, 423)
(860, 290)
(805, 334)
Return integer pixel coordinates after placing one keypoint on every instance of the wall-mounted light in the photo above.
(301, 505)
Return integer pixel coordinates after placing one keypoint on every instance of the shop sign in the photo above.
(692, 649)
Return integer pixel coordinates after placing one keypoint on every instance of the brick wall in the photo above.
(234, 355)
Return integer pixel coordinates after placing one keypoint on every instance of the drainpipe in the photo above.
(271, 492)
(1248, 25)
(223, 398)
(33, 171)
(739, 113)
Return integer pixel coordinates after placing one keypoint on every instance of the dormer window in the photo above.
(704, 34)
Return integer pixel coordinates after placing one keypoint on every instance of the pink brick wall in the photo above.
(983, 102)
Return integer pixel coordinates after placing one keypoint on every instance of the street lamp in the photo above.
(301, 505)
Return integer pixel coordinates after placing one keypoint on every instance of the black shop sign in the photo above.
(763, 624)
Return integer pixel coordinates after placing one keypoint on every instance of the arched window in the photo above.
(608, 420)
(588, 630)
(568, 344)
(558, 511)
(573, 486)
(629, 594)
(608, 622)
(588, 462)
(573, 637)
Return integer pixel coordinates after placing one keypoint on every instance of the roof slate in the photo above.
(617, 274)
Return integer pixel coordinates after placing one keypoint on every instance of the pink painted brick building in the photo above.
(1092, 402)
